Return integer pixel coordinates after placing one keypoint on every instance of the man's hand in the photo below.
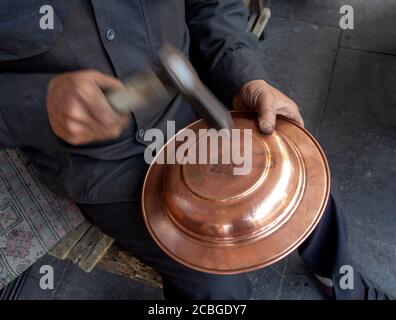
(268, 102)
(78, 110)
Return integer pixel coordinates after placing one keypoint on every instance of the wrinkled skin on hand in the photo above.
(269, 102)
(78, 110)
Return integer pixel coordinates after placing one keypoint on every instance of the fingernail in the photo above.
(266, 127)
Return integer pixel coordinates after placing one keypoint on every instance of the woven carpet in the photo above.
(32, 219)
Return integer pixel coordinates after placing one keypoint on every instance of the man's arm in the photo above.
(38, 109)
(218, 30)
(23, 115)
(218, 33)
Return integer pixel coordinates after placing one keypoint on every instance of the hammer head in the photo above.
(186, 80)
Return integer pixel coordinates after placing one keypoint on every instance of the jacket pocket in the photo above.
(21, 35)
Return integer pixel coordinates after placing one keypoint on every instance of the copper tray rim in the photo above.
(277, 257)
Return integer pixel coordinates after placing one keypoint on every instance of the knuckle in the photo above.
(72, 129)
(84, 91)
(74, 112)
(292, 108)
(74, 141)
(69, 127)
(268, 111)
(91, 72)
(70, 106)
(292, 104)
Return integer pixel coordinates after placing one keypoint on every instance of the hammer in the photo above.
(176, 75)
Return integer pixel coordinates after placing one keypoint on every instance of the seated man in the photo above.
(53, 107)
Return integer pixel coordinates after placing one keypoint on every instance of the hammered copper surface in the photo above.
(211, 220)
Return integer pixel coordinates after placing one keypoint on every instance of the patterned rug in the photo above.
(32, 219)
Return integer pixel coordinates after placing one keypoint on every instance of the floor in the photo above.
(345, 84)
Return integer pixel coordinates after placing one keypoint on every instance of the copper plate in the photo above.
(212, 220)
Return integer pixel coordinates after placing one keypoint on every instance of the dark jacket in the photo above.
(82, 38)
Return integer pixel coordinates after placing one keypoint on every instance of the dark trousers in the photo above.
(324, 252)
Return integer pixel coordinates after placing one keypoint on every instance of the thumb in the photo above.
(266, 118)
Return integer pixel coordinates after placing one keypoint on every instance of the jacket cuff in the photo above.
(23, 112)
(235, 69)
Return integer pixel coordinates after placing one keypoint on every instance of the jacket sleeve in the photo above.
(23, 115)
(218, 31)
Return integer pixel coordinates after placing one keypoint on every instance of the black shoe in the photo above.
(325, 285)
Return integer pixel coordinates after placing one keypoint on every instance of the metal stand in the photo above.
(259, 18)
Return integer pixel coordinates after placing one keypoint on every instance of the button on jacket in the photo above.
(118, 37)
